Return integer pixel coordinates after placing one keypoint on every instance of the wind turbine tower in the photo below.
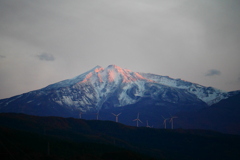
(97, 115)
(137, 119)
(80, 115)
(165, 121)
(148, 125)
(116, 115)
(171, 120)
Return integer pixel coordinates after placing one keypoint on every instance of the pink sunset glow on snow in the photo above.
(111, 76)
(113, 73)
(99, 69)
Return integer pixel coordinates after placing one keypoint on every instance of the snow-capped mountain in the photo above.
(111, 87)
(209, 95)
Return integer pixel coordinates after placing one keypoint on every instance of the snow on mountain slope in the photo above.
(114, 86)
(209, 95)
(99, 84)
(69, 82)
(88, 91)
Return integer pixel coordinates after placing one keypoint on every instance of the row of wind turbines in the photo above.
(138, 119)
(164, 121)
(170, 120)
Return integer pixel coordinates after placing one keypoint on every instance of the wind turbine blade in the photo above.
(140, 120)
(114, 114)
(119, 114)
(163, 117)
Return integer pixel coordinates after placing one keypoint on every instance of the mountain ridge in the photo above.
(111, 87)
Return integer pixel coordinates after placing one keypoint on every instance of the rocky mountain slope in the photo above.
(111, 87)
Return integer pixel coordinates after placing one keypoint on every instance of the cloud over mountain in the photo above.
(213, 72)
(46, 57)
(2, 56)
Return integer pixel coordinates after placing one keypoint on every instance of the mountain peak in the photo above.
(97, 66)
(113, 66)
(96, 69)
(118, 69)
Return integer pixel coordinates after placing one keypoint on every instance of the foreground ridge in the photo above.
(98, 140)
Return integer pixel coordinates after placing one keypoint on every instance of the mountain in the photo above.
(99, 92)
(222, 116)
(33, 137)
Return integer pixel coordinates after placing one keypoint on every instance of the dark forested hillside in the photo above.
(32, 137)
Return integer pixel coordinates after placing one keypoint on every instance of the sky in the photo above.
(44, 42)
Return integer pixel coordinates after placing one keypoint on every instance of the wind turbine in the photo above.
(148, 125)
(80, 115)
(116, 116)
(165, 121)
(97, 115)
(171, 120)
(137, 119)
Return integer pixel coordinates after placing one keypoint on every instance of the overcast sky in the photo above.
(46, 41)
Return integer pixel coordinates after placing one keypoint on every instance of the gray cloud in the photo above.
(213, 72)
(2, 56)
(46, 57)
